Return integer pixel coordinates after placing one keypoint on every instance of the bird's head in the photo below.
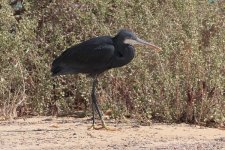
(131, 39)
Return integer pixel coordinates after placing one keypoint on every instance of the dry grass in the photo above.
(184, 83)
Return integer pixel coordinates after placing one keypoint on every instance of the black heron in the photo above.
(97, 55)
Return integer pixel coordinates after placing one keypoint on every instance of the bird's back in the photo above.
(92, 56)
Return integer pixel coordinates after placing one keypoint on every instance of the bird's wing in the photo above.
(96, 53)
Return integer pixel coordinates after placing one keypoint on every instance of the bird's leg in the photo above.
(94, 103)
(93, 113)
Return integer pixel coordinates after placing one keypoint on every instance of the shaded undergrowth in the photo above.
(183, 83)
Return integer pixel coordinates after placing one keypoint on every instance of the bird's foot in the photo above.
(94, 127)
(103, 127)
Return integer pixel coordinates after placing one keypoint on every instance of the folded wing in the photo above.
(92, 57)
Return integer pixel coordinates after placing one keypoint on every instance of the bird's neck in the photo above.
(124, 55)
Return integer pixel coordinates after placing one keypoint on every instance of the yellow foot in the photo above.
(104, 127)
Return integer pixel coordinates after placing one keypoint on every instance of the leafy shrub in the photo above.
(184, 83)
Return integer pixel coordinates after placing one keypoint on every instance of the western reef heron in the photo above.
(97, 55)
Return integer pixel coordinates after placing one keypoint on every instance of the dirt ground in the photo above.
(68, 133)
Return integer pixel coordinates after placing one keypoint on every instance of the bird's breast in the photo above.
(123, 55)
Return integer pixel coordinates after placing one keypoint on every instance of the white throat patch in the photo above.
(130, 42)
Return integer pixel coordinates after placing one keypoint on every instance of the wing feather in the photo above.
(87, 57)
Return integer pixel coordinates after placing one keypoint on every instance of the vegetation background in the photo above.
(184, 83)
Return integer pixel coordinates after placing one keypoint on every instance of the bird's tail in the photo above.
(56, 70)
(60, 69)
(56, 67)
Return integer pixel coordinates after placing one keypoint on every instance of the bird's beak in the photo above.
(143, 42)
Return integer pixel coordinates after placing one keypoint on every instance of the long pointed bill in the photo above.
(140, 41)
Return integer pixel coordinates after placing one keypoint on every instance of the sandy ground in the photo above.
(72, 133)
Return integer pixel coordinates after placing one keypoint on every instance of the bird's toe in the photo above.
(103, 127)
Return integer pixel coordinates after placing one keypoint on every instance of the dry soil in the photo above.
(68, 133)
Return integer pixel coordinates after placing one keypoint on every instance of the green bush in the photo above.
(183, 83)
